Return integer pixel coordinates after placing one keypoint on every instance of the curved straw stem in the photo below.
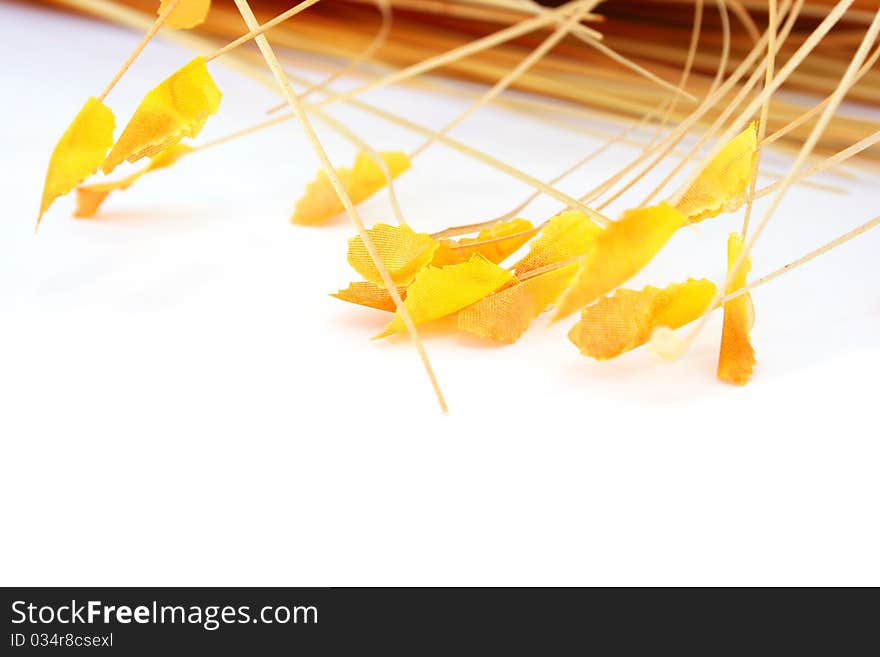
(621, 136)
(543, 18)
(431, 63)
(696, 29)
(793, 62)
(589, 37)
(668, 143)
(740, 96)
(530, 60)
(745, 18)
(725, 46)
(765, 109)
(377, 41)
(578, 8)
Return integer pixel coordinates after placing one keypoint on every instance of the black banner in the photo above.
(286, 621)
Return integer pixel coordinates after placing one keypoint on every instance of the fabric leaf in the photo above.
(90, 197)
(79, 152)
(368, 177)
(489, 243)
(369, 294)
(441, 291)
(620, 252)
(174, 109)
(319, 203)
(624, 321)
(722, 186)
(736, 359)
(187, 14)
(567, 235)
(403, 251)
(505, 315)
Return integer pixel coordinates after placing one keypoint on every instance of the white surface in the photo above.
(182, 403)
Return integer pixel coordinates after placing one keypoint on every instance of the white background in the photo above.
(181, 403)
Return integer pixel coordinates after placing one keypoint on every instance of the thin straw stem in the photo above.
(160, 20)
(794, 264)
(275, 66)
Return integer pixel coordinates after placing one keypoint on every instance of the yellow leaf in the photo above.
(736, 359)
(368, 177)
(489, 243)
(620, 252)
(369, 294)
(403, 251)
(505, 315)
(441, 291)
(319, 204)
(624, 321)
(174, 109)
(79, 152)
(187, 13)
(90, 197)
(567, 235)
(722, 186)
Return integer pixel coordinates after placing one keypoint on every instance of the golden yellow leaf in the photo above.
(620, 252)
(368, 177)
(492, 243)
(79, 152)
(441, 291)
(174, 109)
(369, 294)
(624, 321)
(736, 359)
(403, 251)
(90, 197)
(187, 13)
(505, 315)
(567, 235)
(722, 186)
(319, 203)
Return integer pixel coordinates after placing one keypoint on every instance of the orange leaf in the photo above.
(736, 359)
(319, 204)
(567, 235)
(174, 109)
(90, 197)
(187, 13)
(624, 321)
(489, 243)
(723, 184)
(505, 315)
(441, 291)
(79, 152)
(620, 252)
(369, 294)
